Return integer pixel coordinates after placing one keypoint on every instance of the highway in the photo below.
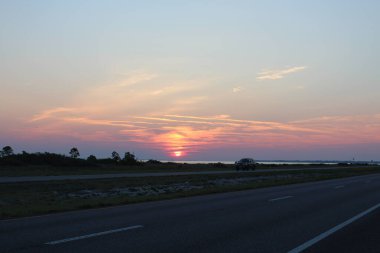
(340, 215)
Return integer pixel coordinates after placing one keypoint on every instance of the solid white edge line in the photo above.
(93, 235)
(281, 198)
(339, 186)
(332, 230)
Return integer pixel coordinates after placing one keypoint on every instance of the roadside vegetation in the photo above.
(32, 198)
(46, 164)
(9, 158)
(50, 164)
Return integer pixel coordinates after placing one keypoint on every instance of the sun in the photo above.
(177, 153)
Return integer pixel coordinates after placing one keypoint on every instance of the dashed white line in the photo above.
(93, 235)
(339, 186)
(281, 198)
(327, 233)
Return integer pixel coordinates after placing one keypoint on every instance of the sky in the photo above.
(192, 80)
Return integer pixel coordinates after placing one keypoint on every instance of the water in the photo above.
(277, 162)
(262, 162)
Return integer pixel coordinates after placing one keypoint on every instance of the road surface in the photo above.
(340, 215)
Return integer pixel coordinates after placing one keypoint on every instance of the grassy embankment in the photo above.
(41, 170)
(26, 199)
(48, 170)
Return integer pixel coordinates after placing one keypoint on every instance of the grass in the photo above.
(26, 199)
(109, 169)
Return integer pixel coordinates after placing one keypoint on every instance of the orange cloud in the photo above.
(192, 134)
(157, 120)
(51, 112)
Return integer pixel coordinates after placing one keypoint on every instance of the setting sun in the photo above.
(178, 153)
(170, 101)
(200, 112)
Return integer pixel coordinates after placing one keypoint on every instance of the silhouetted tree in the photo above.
(129, 158)
(45, 158)
(6, 151)
(74, 152)
(91, 158)
(115, 156)
(153, 161)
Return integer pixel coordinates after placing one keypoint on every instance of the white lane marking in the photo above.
(339, 186)
(327, 233)
(281, 198)
(93, 235)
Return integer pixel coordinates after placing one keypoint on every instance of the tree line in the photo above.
(8, 157)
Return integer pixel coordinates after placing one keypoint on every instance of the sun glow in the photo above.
(177, 153)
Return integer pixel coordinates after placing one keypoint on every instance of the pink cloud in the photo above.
(192, 134)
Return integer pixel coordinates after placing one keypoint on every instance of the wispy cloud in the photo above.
(191, 134)
(237, 89)
(136, 77)
(165, 120)
(149, 94)
(278, 74)
(51, 112)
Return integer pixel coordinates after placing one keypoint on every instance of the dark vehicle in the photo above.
(245, 164)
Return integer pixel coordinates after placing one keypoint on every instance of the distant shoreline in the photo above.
(278, 162)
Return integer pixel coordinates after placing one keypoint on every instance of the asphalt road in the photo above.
(326, 216)
(20, 179)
